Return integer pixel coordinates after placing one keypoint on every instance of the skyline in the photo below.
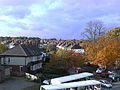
(65, 19)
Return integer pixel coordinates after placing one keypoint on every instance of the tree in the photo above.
(3, 48)
(94, 29)
(105, 52)
(50, 47)
(69, 58)
(114, 32)
(62, 60)
(55, 66)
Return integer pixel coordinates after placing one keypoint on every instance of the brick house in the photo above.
(23, 58)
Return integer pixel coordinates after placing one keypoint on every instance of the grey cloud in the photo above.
(17, 2)
(16, 12)
(63, 21)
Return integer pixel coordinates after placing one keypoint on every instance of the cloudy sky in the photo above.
(64, 19)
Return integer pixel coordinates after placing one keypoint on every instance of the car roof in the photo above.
(71, 77)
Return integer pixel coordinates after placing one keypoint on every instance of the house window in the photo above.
(4, 60)
(40, 57)
(34, 58)
(37, 66)
(40, 65)
(31, 67)
(34, 67)
(37, 57)
(8, 60)
(21, 68)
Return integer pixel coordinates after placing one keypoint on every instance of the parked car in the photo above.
(117, 68)
(104, 74)
(114, 77)
(86, 63)
(46, 82)
(79, 70)
(100, 70)
(106, 83)
(111, 72)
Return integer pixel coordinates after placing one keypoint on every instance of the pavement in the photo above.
(116, 86)
(116, 83)
(15, 83)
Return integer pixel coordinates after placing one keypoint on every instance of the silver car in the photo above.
(100, 70)
(106, 83)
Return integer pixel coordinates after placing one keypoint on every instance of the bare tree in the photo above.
(94, 29)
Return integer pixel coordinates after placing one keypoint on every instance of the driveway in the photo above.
(15, 83)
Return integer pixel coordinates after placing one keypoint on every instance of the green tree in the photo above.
(69, 58)
(50, 47)
(62, 60)
(3, 48)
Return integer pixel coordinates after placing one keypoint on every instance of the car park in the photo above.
(106, 83)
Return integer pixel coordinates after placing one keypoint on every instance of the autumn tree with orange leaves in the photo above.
(105, 52)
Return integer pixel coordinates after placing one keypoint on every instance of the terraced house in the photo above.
(23, 58)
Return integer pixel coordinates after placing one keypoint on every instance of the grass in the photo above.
(34, 87)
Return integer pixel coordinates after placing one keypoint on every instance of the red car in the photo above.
(79, 70)
(87, 63)
(104, 74)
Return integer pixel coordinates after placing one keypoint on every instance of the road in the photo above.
(15, 83)
(116, 86)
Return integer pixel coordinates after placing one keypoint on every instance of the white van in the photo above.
(79, 85)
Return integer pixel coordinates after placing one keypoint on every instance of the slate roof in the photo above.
(76, 46)
(23, 50)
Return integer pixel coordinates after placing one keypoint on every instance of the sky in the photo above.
(61, 19)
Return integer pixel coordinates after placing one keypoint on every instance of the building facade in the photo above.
(23, 58)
